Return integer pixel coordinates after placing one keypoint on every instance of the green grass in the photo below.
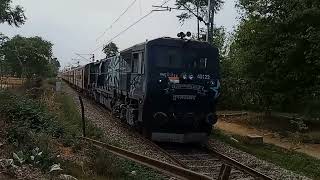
(109, 165)
(142, 172)
(291, 160)
(71, 119)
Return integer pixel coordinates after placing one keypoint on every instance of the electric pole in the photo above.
(210, 23)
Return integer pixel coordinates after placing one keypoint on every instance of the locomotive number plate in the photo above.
(184, 97)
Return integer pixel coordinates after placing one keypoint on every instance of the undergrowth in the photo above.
(30, 123)
(42, 123)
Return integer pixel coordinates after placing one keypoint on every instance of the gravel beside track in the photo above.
(262, 166)
(119, 134)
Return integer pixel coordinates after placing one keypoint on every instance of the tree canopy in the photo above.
(14, 16)
(110, 49)
(193, 5)
(29, 56)
(276, 52)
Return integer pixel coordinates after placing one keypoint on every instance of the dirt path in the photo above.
(270, 138)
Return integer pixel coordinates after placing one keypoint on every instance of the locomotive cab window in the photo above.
(135, 63)
(138, 63)
(181, 58)
(201, 63)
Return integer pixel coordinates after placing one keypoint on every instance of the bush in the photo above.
(251, 94)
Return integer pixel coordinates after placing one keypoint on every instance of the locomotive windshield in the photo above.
(182, 58)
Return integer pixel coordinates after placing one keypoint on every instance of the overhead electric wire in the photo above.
(110, 40)
(124, 12)
(143, 17)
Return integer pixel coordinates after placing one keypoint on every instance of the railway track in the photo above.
(209, 162)
(170, 154)
(202, 160)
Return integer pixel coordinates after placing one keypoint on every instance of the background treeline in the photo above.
(22, 56)
(27, 57)
(272, 60)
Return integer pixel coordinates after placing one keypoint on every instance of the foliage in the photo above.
(220, 40)
(53, 67)
(33, 124)
(105, 164)
(27, 115)
(193, 5)
(276, 50)
(3, 39)
(111, 49)
(30, 57)
(69, 117)
(29, 123)
(11, 15)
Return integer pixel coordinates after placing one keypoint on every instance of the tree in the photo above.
(11, 15)
(28, 56)
(193, 5)
(277, 47)
(111, 49)
(3, 40)
(54, 66)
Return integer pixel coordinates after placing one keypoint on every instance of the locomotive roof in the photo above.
(164, 41)
(159, 41)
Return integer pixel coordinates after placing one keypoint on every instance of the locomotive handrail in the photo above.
(164, 167)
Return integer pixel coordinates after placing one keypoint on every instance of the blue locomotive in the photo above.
(167, 88)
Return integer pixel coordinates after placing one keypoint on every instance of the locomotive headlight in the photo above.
(191, 77)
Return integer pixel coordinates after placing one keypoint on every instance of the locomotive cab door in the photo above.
(136, 90)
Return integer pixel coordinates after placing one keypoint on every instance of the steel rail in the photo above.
(166, 168)
(239, 166)
(173, 159)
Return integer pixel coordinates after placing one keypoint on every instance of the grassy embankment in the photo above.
(40, 118)
(291, 160)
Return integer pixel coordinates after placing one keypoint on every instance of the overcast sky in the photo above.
(74, 25)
